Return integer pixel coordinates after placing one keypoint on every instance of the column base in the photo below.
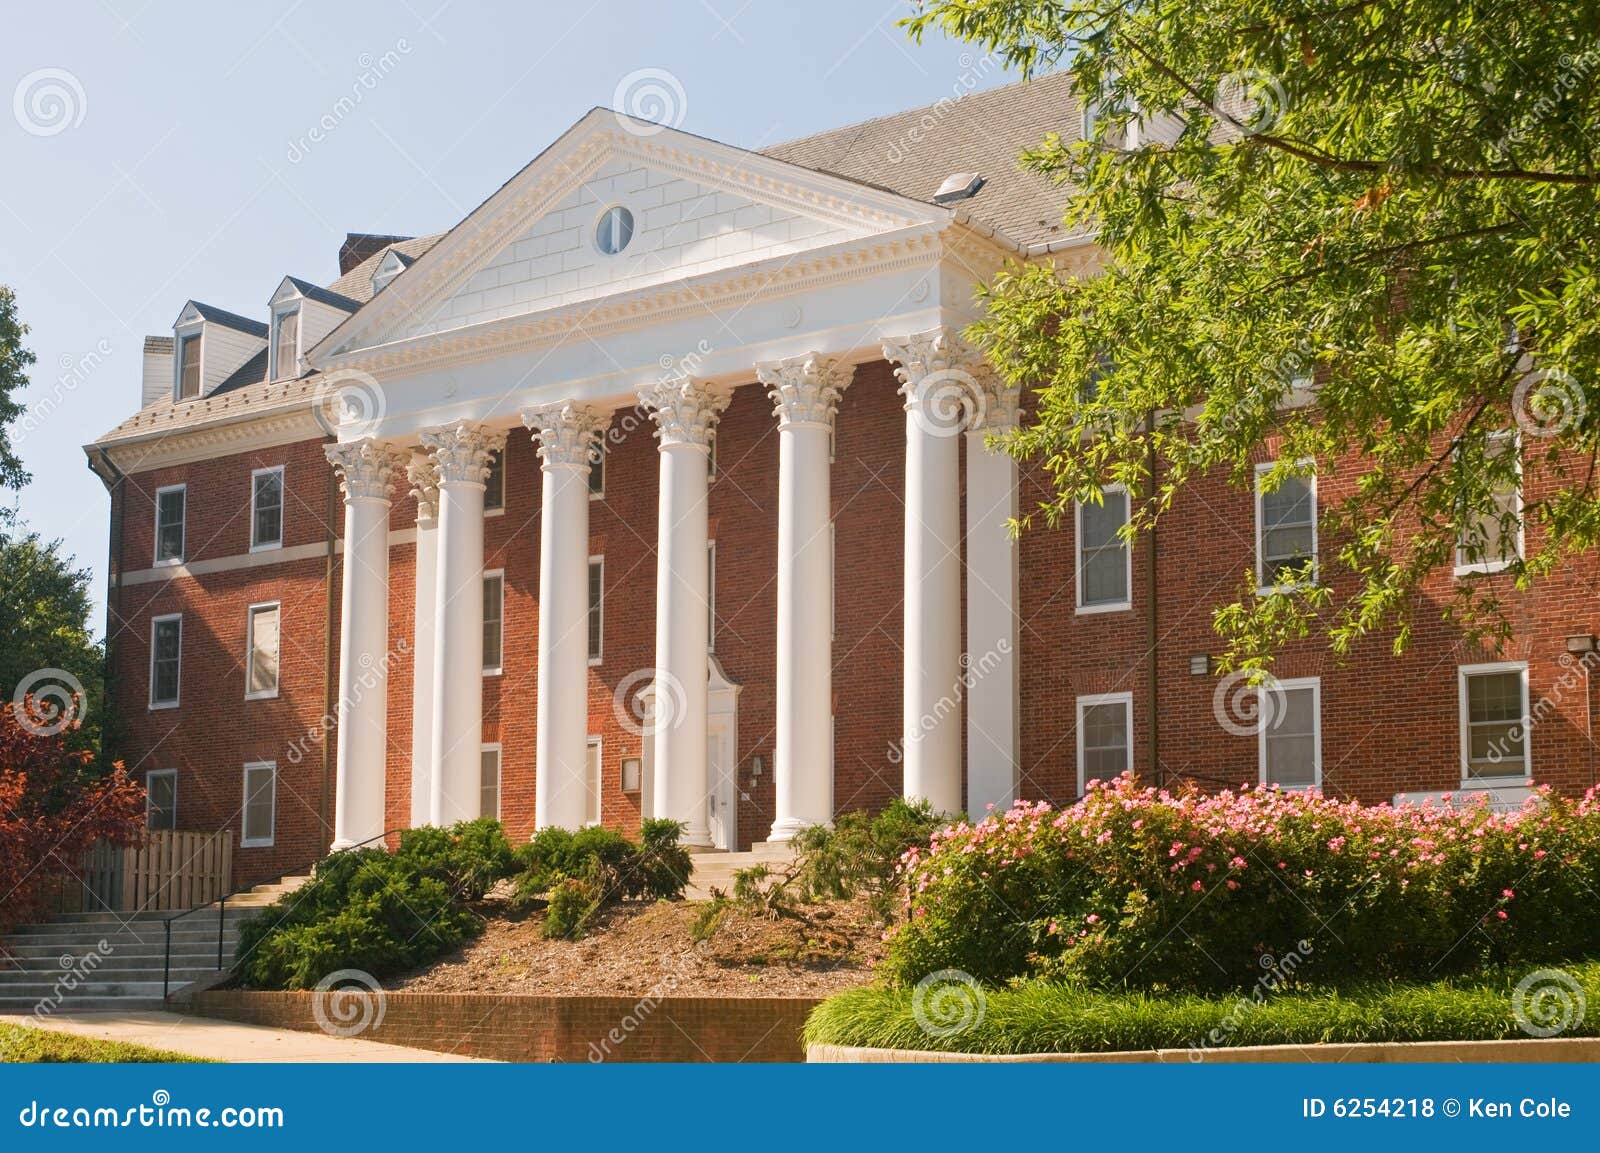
(787, 828)
(341, 845)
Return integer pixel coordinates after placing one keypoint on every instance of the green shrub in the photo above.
(375, 911)
(1042, 1016)
(596, 867)
(1198, 892)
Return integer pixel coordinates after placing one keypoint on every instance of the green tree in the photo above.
(14, 363)
(44, 618)
(1385, 206)
(48, 649)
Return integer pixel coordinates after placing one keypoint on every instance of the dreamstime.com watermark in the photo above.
(633, 1020)
(372, 673)
(1277, 972)
(373, 69)
(75, 371)
(1548, 1002)
(159, 1113)
(48, 701)
(48, 101)
(74, 972)
(972, 671)
(947, 1002)
(348, 1003)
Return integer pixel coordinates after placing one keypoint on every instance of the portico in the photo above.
(855, 277)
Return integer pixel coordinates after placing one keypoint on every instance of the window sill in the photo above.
(274, 546)
(157, 705)
(1484, 784)
(256, 844)
(272, 696)
(1272, 590)
(489, 512)
(1483, 569)
(494, 672)
(596, 662)
(1095, 610)
(169, 562)
(597, 496)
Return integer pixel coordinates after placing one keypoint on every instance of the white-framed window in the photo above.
(1290, 737)
(494, 485)
(1494, 723)
(613, 230)
(1286, 530)
(166, 660)
(711, 596)
(489, 781)
(597, 472)
(596, 761)
(285, 345)
(262, 647)
(597, 608)
(494, 603)
(1491, 540)
(1105, 737)
(266, 508)
(188, 366)
(171, 505)
(257, 824)
(161, 800)
(1104, 560)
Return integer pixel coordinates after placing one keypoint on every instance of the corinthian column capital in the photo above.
(938, 374)
(365, 468)
(685, 411)
(567, 433)
(999, 404)
(804, 389)
(461, 451)
(424, 480)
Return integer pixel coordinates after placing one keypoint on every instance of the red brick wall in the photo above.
(520, 1028)
(1388, 724)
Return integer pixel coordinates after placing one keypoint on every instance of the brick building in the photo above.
(659, 485)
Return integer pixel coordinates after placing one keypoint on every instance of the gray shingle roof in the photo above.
(252, 371)
(322, 295)
(912, 152)
(232, 320)
(357, 283)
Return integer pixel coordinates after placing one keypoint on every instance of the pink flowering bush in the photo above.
(1193, 891)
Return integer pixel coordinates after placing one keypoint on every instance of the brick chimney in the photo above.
(358, 246)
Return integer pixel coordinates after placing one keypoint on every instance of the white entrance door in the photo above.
(722, 758)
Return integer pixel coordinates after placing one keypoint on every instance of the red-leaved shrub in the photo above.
(1132, 887)
(52, 808)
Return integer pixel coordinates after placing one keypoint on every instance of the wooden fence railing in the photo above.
(172, 870)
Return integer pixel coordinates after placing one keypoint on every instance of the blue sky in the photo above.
(182, 163)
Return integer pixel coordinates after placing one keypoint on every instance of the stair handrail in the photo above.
(222, 909)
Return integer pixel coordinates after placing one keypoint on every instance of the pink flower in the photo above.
(1507, 894)
(1501, 913)
(1093, 918)
(1197, 887)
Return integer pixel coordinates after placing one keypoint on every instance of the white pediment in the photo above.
(697, 208)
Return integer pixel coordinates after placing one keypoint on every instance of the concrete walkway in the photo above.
(227, 1041)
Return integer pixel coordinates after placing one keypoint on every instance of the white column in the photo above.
(567, 435)
(805, 394)
(461, 456)
(994, 720)
(425, 487)
(365, 469)
(685, 413)
(938, 394)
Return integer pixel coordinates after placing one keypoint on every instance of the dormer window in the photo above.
(189, 366)
(285, 345)
(391, 266)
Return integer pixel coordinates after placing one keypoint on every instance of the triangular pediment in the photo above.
(693, 207)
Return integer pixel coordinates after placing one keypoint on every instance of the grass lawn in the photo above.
(1037, 1017)
(20, 1044)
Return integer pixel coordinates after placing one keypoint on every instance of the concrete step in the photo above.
(105, 917)
(38, 990)
(146, 930)
(52, 954)
(119, 966)
(717, 869)
(86, 1004)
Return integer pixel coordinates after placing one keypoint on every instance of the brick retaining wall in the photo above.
(527, 1028)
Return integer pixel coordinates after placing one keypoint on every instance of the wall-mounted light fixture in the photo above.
(630, 774)
(756, 765)
(1581, 643)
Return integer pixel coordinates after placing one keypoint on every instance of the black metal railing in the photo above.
(222, 912)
